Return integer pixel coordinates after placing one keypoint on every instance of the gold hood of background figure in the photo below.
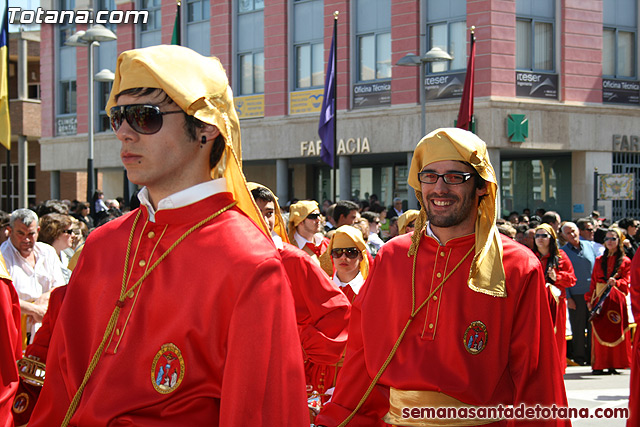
(200, 87)
(345, 236)
(298, 212)
(487, 270)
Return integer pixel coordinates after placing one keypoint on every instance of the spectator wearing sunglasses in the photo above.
(442, 319)
(189, 325)
(374, 239)
(305, 227)
(407, 221)
(322, 310)
(558, 275)
(57, 230)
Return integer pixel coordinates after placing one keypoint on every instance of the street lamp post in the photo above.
(91, 38)
(410, 60)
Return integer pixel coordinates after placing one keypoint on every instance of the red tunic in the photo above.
(515, 363)
(10, 346)
(322, 312)
(634, 387)
(610, 340)
(209, 338)
(565, 278)
(38, 350)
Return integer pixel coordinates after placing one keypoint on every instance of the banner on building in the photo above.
(616, 186)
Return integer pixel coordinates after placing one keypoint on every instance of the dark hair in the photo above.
(549, 217)
(343, 207)
(554, 256)
(599, 235)
(619, 255)
(51, 206)
(263, 193)
(582, 223)
(625, 223)
(377, 208)
(52, 225)
(370, 216)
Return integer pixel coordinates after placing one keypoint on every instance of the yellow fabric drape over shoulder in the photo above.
(198, 85)
(487, 270)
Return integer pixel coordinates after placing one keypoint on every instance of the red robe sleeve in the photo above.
(40, 345)
(565, 276)
(634, 387)
(10, 349)
(322, 310)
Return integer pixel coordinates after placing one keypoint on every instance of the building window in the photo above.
(154, 20)
(452, 38)
(66, 30)
(10, 202)
(67, 97)
(619, 38)
(251, 73)
(197, 26)
(373, 35)
(308, 43)
(250, 44)
(535, 39)
(250, 5)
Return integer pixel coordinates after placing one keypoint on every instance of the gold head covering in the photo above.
(405, 219)
(487, 270)
(297, 213)
(549, 229)
(199, 86)
(346, 236)
(280, 228)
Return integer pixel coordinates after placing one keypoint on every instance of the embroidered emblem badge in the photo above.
(20, 403)
(167, 370)
(614, 316)
(475, 337)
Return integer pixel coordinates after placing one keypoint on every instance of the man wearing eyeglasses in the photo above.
(460, 305)
(304, 229)
(179, 322)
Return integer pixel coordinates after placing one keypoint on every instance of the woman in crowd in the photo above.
(558, 276)
(611, 346)
(57, 231)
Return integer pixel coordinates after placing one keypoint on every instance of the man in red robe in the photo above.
(634, 386)
(10, 345)
(322, 310)
(453, 315)
(169, 319)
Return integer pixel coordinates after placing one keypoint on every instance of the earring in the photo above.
(203, 142)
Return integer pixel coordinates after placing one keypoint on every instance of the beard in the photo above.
(459, 211)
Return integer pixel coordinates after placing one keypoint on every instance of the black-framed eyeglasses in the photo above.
(351, 253)
(313, 216)
(68, 231)
(451, 178)
(542, 236)
(145, 119)
(606, 239)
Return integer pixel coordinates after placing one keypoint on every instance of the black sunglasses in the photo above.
(607, 239)
(542, 236)
(145, 119)
(313, 216)
(68, 231)
(351, 253)
(451, 178)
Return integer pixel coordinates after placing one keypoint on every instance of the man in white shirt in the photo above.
(34, 266)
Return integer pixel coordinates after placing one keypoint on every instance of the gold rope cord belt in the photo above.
(414, 313)
(120, 303)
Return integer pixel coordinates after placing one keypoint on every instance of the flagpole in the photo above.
(177, 27)
(335, 104)
(473, 42)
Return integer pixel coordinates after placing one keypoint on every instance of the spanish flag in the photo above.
(5, 124)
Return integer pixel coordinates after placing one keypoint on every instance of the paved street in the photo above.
(590, 391)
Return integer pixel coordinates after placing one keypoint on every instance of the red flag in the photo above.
(465, 114)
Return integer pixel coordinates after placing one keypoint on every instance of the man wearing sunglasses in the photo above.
(304, 227)
(179, 322)
(444, 317)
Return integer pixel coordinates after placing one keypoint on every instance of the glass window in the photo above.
(373, 32)
(452, 38)
(309, 64)
(68, 97)
(250, 49)
(252, 73)
(197, 10)
(535, 35)
(250, 5)
(308, 43)
(618, 53)
(154, 21)
(66, 30)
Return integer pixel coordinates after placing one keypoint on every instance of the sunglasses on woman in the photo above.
(351, 253)
(145, 119)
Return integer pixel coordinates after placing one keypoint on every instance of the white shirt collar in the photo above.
(277, 240)
(429, 232)
(184, 197)
(355, 284)
(301, 241)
